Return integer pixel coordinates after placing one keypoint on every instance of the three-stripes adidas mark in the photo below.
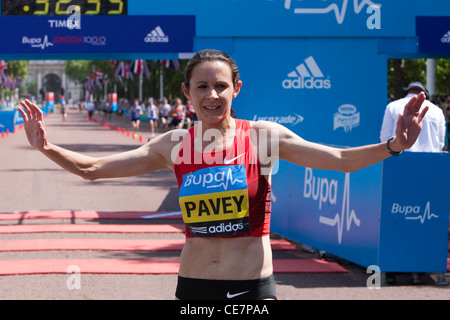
(307, 75)
(156, 35)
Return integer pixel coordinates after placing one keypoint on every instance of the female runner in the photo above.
(223, 177)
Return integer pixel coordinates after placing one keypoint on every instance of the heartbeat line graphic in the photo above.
(340, 13)
(426, 215)
(349, 216)
(229, 178)
(44, 44)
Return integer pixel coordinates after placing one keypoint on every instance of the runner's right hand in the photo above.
(33, 121)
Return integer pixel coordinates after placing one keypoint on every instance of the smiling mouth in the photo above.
(211, 108)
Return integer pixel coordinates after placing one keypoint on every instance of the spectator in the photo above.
(432, 136)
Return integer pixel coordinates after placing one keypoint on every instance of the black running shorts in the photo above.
(203, 289)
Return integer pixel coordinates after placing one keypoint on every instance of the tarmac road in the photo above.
(30, 182)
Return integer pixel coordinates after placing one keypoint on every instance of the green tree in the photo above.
(443, 77)
(403, 71)
(77, 69)
(18, 68)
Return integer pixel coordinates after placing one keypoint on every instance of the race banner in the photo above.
(96, 34)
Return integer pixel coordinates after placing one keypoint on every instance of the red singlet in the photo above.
(223, 194)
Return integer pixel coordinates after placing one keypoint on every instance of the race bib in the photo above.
(214, 201)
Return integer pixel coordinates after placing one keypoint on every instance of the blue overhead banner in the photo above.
(434, 34)
(96, 34)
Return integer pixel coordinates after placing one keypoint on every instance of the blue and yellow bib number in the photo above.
(214, 201)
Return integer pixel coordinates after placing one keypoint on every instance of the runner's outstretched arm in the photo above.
(149, 157)
(294, 149)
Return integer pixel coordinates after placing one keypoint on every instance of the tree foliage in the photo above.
(18, 68)
(401, 72)
(443, 77)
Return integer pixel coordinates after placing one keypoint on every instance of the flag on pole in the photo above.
(171, 64)
(97, 76)
(3, 67)
(140, 67)
(106, 79)
(124, 71)
(7, 84)
(146, 70)
(118, 72)
(137, 67)
(88, 83)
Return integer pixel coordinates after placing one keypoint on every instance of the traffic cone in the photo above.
(3, 134)
(7, 132)
(140, 138)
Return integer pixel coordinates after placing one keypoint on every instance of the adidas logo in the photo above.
(446, 38)
(307, 76)
(156, 35)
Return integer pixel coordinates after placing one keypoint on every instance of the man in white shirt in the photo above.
(432, 136)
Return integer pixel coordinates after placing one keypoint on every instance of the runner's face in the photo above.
(212, 91)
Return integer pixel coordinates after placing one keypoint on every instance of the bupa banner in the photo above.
(329, 210)
(96, 34)
(380, 215)
(434, 34)
(415, 213)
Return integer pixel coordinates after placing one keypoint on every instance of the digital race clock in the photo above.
(59, 7)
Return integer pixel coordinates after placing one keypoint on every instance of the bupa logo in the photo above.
(157, 35)
(414, 212)
(325, 192)
(41, 43)
(307, 75)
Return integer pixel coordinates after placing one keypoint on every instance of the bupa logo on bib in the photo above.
(214, 201)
